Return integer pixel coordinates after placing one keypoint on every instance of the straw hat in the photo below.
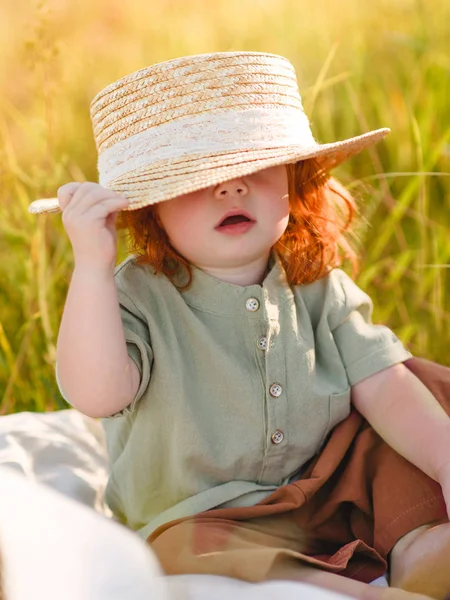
(193, 122)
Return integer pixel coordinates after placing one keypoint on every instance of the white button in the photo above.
(275, 390)
(262, 343)
(252, 304)
(277, 437)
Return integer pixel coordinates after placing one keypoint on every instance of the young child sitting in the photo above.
(258, 424)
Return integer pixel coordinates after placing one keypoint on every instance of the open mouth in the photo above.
(234, 220)
(235, 223)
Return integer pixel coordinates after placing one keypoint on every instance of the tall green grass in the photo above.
(360, 66)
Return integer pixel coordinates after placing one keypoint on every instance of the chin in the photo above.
(228, 256)
(240, 259)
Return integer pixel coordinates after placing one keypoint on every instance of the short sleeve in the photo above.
(138, 345)
(137, 337)
(365, 348)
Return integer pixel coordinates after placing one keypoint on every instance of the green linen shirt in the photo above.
(240, 386)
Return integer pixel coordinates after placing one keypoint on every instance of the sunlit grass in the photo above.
(360, 66)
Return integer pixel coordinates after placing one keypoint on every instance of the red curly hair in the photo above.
(315, 240)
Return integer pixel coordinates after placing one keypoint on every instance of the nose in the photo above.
(231, 188)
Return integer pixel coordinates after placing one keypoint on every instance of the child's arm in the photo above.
(408, 417)
(94, 369)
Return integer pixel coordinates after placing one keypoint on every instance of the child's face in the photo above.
(201, 229)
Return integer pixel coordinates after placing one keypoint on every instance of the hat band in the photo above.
(227, 131)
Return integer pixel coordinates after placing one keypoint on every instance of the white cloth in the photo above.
(213, 587)
(65, 450)
(55, 548)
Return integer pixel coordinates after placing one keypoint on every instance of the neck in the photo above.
(249, 274)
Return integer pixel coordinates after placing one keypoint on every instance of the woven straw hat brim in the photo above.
(167, 179)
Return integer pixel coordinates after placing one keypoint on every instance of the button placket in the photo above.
(276, 394)
(276, 312)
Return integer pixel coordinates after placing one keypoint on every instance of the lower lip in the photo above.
(237, 228)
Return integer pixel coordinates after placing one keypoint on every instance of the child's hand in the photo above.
(89, 217)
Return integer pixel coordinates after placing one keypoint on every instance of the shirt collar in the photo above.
(209, 294)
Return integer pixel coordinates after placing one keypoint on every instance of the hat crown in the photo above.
(190, 86)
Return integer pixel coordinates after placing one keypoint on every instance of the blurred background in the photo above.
(360, 66)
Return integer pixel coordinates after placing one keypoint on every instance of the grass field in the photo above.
(360, 66)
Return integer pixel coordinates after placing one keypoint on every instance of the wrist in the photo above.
(91, 271)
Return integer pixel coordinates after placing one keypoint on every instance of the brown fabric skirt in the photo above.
(355, 501)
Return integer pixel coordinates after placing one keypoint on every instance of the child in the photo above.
(226, 356)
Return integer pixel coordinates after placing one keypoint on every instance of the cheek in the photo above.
(180, 219)
(279, 215)
(282, 224)
(280, 209)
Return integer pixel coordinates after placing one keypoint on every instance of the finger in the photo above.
(89, 191)
(66, 193)
(88, 195)
(107, 208)
(98, 210)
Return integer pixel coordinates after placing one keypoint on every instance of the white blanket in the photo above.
(54, 547)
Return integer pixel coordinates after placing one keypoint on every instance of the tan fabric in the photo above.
(344, 516)
(199, 432)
